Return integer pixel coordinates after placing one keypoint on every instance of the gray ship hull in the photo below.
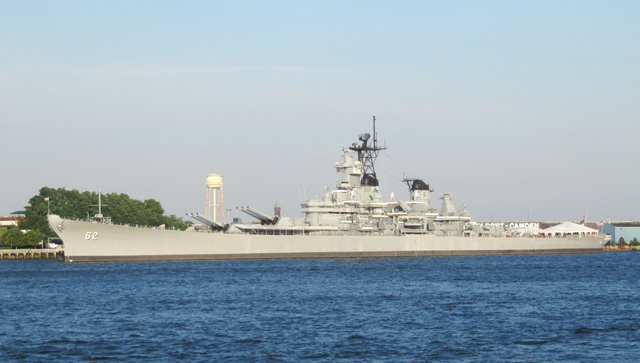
(97, 242)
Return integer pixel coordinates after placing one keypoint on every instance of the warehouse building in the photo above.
(626, 230)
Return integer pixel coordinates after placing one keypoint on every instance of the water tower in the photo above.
(214, 208)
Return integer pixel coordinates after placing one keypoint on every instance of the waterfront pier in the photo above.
(30, 254)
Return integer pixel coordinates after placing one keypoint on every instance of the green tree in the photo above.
(16, 238)
(33, 238)
(176, 223)
(35, 214)
(12, 238)
(154, 212)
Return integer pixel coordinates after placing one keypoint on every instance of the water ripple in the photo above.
(514, 308)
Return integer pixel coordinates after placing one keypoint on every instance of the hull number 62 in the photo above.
(91, 235)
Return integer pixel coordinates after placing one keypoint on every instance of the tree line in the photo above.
(82, 205)
(15, 238)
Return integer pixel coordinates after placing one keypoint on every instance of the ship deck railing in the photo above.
(283, 231)
(572, 236)
(298, 230)
(120, 224)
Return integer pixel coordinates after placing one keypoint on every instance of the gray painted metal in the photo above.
(351, 220)
(86, 241)
(208, 221)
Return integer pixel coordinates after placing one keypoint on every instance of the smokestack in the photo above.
(276, 210)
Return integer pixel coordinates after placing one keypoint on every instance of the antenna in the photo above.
(99, 217)
(367, 154)
(375, 136)
(100, 199)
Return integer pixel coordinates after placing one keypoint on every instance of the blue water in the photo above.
(516, 308)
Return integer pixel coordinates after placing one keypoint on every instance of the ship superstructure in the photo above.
(356, 206)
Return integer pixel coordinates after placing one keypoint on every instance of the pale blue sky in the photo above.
(524, 110)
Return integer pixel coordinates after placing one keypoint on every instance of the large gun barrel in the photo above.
(209, 222)
(263, 218)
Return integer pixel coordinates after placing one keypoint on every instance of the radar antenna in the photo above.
(417, 184)
(100, 218)
(367, 155)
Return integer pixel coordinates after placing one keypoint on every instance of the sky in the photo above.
(524, 110)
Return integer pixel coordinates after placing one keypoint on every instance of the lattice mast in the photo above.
(367, 155)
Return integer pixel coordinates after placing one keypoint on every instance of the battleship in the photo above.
(350, 221)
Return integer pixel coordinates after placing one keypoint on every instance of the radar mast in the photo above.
(367, 154)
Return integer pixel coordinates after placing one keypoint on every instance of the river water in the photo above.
(516, 308)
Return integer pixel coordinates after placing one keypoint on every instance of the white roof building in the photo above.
(568, 228)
